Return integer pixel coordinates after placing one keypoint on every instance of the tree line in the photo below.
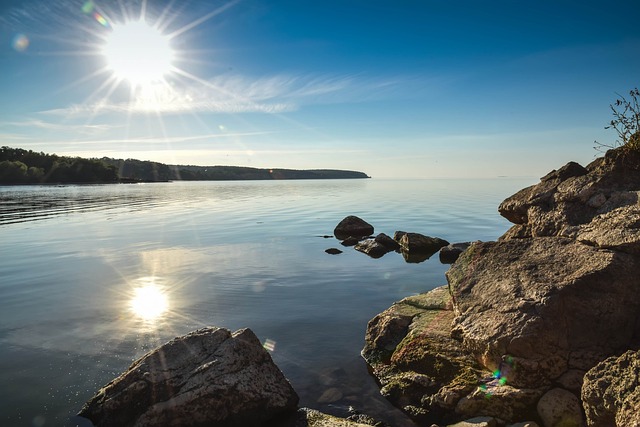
(19, 166)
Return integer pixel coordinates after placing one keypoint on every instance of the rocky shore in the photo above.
(528, 328)
(539, 328)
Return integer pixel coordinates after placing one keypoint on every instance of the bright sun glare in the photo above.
(139, 53)
(149, 302)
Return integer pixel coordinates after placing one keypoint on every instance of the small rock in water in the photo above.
(387, 242)
(352, 226)
(372, 248)
(333, 251)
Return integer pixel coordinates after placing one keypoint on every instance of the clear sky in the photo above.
(403, 89)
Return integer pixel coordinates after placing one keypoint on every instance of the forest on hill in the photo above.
(19, 166)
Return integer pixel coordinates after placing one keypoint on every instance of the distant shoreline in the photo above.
(20, 167)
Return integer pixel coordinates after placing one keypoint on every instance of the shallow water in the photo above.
(229, 254)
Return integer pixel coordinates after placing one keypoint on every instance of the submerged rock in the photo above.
(209, 377)
(352, 226)
(333, 251)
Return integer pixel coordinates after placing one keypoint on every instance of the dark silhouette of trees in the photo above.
(18, 166)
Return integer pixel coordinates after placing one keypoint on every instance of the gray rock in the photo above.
(372, 248)
(352, 226)
(450, 253)
(560, 408)
(611, 392)
(208, 377)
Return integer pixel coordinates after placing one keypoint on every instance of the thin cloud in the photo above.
(60, 127)
(237, 94)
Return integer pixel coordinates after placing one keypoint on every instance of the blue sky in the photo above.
(405, 89)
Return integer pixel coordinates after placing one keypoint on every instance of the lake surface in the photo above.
(92, 277)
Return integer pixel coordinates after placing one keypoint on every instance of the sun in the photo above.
(149, 302)
(138, 53)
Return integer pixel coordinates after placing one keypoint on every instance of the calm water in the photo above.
(79, 265)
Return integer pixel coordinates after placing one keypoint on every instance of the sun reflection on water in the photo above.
(149, 300)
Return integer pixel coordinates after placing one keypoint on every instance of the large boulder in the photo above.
(611, 392)
(352, 226)
(582, 203)
(209, 377)
(547, 305)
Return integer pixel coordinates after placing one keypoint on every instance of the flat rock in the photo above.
(209, 377)
(352, 226)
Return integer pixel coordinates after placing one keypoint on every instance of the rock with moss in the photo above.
(306, 417)
(420, 367)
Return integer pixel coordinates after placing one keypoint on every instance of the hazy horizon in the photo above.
(416, 90)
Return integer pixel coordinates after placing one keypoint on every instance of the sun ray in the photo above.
(202, 19)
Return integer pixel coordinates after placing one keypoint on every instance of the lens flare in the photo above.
(20, 42)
